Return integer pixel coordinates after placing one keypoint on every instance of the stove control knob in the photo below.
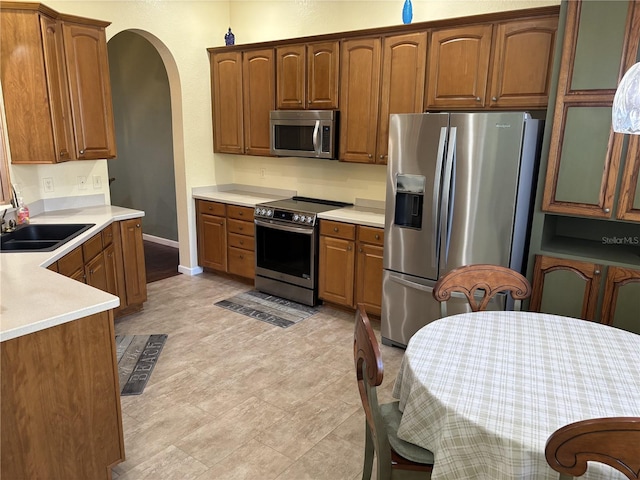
(309, 220)
(295, 217)
(257, 211)
(303, 218)
(269, 213)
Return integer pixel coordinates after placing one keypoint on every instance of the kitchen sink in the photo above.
(42, 237)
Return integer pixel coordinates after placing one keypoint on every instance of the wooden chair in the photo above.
(614, 441)
(490, 278)
(382, 421)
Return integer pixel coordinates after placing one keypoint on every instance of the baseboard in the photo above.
(160, 240)
(190, 271)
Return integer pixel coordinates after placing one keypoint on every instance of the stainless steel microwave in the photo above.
(304, 133)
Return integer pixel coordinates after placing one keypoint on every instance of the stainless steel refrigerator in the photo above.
(459, 192)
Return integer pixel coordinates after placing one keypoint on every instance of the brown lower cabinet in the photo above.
(60, 409)
(226, 238)
(350, 265)
(113, 261)
(581, 289)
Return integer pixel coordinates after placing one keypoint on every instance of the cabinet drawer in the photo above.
(71, 262)
(92, 247)
(338, 229)
(211, 208)
(240, 227)
(371, 235)
(240, 213)
(241, 262)
(241, 241)
(107, 236)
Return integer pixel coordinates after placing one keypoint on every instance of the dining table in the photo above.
(485, 390)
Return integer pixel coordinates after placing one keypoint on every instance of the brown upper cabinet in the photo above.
(307, 76)
(461, 65)
(62, 60)
(242, 93)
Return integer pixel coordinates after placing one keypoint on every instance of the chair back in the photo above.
(614, 441)
(369, 373)
(492, 279)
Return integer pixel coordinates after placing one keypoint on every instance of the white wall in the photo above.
(182, 30)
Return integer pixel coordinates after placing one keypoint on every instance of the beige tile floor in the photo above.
(232, 397)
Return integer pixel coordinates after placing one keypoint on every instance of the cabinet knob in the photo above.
(495, 99)
(241, 213)
(377, 237)
(607, 210)
(210, 207)
(349, 248)
(241, 242)
(360, 249)
(597, 272)
(478, 99)
(137, 225)
(335, 229)
(241, 257)
(62, 153)
(370, 156)
(90, 272)
(81, 152)
(381, 157)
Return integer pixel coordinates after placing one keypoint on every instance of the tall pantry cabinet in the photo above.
(585, 243)
(55, 77)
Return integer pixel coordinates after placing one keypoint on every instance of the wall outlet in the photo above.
(97, 182)
(47, 184)
(82, 182)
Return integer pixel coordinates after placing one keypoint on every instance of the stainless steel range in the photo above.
(287, 247)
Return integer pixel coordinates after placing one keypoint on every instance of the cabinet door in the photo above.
(620, 306)
(523, 61)
(458, 67)
(404, 60)
(290, 77)
(52, 43)
(565, 287)
(111, 270)
(323, 62)
(336, 270)
(359, 95)
(212, 242)
(135, 276)
(226, 95)
(258, 77)
(95, 272)
(369, 277)
(242, 262)
(584, 154)
(90, 90)
(629, 201)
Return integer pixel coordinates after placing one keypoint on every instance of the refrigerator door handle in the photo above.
(446, 191)
(402, 281)
(436, 196)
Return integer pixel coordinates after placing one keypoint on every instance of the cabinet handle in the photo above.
(495, 99)
(370, 156)
(607, 210)
(335, 229)
(81, 152)
(137, 225)
(377, 237)
(478, 99)
(381, 157)
(597, 272)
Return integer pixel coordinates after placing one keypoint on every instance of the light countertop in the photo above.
(33, 298)
(359, 215)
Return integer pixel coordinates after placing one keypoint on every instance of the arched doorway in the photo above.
(142, 175)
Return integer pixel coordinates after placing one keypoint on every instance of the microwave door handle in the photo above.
(316, 138)
(446, 197)
(437, 185)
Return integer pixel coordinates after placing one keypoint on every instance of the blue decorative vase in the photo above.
(229, 38)
(407, 12)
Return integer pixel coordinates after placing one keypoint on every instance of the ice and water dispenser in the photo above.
(409, 200)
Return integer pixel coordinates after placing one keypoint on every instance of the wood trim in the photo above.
(616, 278)
(39, 7)
(400, 29)
(628, 187)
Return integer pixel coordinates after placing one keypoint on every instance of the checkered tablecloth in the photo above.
(484, 391)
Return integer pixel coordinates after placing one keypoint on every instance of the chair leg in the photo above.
(368, 453)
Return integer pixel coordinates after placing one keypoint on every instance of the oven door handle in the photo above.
(284, 228)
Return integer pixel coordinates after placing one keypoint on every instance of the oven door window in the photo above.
(294, 137)
(284, 252)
